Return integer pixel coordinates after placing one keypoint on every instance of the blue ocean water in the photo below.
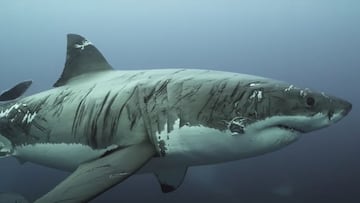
(308, 43)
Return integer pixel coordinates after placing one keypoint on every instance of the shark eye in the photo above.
(310, 101)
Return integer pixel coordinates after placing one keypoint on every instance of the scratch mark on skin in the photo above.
(115, 124)
(179, 71)
(83, 44)
(98, 167)
(59, 100)
(289, 88)
(94, 122)
(324, 95)
(238, 100)
(257, 94)
(6, 112)
(236, 89)
(132, 117)
(80, 112)
(21, 119)
(151, 94)
(189, 94)
(260, 95)
(163, 88)
(253, 84)
(118, 175)
(108, 118)
(28, 118)
(215, 105)
(253, 94)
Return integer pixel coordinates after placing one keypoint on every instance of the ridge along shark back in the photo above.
(106, 125)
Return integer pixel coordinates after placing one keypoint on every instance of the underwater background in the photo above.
(308, 43)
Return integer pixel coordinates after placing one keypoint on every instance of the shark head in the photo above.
(286, 109)
(237, 116)
(268, 114)
(272, 115)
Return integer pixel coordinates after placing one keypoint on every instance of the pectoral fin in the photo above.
(95, 177)
(171, 179)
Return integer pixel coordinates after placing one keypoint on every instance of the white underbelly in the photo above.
(185, 146)
(60, 156)
(200, 145)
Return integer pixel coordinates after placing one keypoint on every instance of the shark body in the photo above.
(106, 125)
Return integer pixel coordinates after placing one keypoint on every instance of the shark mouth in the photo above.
(238, 125)
(289, 128)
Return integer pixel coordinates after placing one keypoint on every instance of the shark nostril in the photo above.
(347, 108)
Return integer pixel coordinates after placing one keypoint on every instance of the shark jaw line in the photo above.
(298, 124)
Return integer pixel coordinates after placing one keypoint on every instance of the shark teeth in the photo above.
(285, 127)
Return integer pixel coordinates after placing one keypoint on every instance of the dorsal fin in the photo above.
(81, 57)
(16, 91)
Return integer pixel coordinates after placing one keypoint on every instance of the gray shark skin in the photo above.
(106, 125)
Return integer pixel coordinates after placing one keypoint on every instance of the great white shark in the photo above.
(106, 125)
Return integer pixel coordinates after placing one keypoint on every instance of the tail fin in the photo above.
(16, 91)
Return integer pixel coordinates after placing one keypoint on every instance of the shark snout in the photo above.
(347, 108)
(339, 111)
